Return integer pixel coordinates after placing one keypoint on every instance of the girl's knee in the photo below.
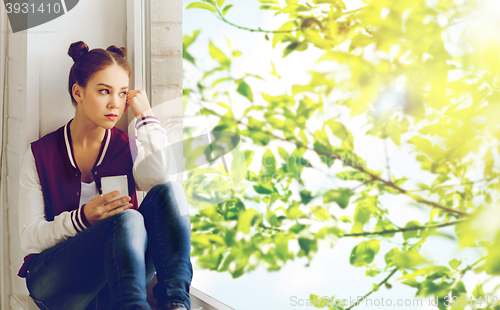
(131, 220)
(168, 187)
(173, 191)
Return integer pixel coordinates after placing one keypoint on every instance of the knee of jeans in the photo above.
(173, 190)
(132, 221)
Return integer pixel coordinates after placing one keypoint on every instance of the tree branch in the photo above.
(385, 232)
(355, 167)
(373, 290)
(221, 17)
(390, 231)
(363, 170)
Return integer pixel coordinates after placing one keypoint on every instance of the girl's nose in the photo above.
(113, 102)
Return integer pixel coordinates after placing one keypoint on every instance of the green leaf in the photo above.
(270, 7)
(294, 46)
(384, 225)
(478, 292)
(297, 228)
(305, 196)
(320, 213)
(345, 219)
(424, 145)
(200, 5)
(245, 90)
(269, 162)
(248, 157)
(364, 210)
(352, 176)
(220, 3)
(489, 162)
(249, 218)
(218, 55)
(207, 240)
(372, 272)
(340, 131)
(264, 188)
(411, 233)
(211, 261)
(408, 259)
(281, 242)
(341, 196)
(221, 80)
(454, 263)
(187, 40)
(212, 2)
(224, 12)
(307, 247)
(390, 255)
(364, 253)
(283, 36)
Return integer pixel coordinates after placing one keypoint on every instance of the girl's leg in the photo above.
(71, 273)
(166, 214)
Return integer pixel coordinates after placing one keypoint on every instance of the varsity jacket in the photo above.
(50, 180)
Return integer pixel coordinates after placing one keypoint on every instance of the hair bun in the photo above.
(118, 50)
(77, 49)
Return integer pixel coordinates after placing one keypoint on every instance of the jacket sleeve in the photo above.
(36, 233)
(155, 162)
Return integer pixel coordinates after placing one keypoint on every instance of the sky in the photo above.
(329, 272)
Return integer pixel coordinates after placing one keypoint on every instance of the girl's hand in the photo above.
(100, 207)
(138, 102)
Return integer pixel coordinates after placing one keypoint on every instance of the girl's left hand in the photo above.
(138, 102)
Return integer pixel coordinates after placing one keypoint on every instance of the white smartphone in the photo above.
(112, 183)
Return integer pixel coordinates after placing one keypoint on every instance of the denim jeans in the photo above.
(111, 263)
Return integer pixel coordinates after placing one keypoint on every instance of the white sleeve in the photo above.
(155, 162)
(37, 234)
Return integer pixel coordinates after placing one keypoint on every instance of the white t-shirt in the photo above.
(88, 191)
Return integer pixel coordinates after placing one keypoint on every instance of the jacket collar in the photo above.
(69, 146)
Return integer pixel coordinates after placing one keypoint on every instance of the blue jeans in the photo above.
(111, 263)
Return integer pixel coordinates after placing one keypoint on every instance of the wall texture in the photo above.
(166, 67)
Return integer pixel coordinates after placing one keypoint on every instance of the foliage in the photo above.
(414, 86)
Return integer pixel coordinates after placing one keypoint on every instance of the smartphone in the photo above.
(112, 183)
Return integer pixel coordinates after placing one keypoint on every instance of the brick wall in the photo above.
(166, 67)
(16, 143)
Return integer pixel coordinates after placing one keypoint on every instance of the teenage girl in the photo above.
(86, 250)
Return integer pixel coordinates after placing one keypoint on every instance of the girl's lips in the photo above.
(111, 117)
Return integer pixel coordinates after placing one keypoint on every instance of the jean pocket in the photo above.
(39, 303)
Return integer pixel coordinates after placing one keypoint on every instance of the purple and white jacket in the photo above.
(50, 181)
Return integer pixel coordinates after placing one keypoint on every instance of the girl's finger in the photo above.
(118, 202)
(120, 209)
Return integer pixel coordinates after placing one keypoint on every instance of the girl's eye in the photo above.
(125, 93)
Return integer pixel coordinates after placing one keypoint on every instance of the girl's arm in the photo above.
(38, 234)
(155, 162)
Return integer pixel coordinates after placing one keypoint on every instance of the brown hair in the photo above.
(87, 63)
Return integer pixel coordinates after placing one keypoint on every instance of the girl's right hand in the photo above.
(100, 207)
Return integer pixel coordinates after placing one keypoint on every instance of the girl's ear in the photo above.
(76, 92)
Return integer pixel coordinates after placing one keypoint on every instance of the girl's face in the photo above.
(104, 99)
